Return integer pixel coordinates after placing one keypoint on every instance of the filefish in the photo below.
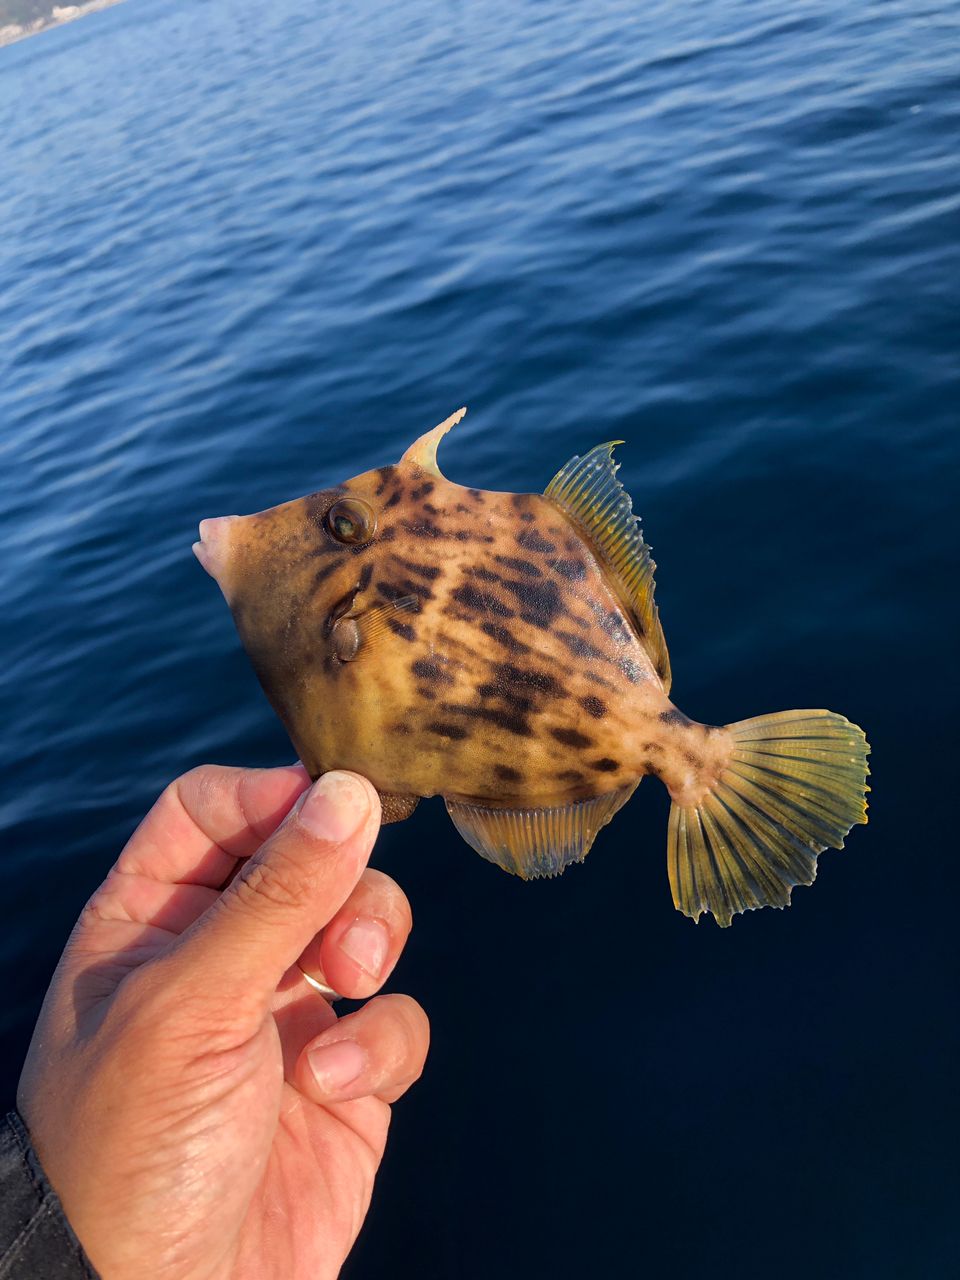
(504, 651)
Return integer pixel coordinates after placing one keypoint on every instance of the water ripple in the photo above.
(250, 249)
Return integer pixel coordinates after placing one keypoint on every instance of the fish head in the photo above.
(302, 579)
(246, 554)
(267, 553)
(272, 553)
(297, 568)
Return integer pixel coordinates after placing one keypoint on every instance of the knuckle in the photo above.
(410, 1032)
(403, 912)
(379, 881)
(197, 789)
(194, 781)
(106, 903)
(276, 882)
(245, 787)
(380, 889)
(415, 1074)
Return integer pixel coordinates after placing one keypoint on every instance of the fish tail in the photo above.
(794, 784)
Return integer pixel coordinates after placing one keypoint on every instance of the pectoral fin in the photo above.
(531, 843)
(358, 635)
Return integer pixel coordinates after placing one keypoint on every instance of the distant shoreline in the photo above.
(59, 14)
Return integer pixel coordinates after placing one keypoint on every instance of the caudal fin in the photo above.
(795, 784)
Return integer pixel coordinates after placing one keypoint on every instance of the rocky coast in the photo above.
(28, 18)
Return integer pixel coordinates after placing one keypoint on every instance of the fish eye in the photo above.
(351, 521)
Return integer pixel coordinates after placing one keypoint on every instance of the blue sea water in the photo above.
(249, 249)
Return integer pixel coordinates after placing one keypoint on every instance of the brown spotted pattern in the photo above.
(474, 647)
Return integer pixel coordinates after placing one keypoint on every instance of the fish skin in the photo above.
(517, 679)
(505, 651)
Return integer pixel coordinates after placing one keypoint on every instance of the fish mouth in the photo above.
(213, 549)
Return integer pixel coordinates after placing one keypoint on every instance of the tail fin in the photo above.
(795, 785)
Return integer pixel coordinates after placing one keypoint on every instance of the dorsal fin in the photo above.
(588, 491)
(423, 451)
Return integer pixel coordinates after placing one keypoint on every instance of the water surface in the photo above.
(250, 249)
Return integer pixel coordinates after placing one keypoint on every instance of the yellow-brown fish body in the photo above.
(504, 651)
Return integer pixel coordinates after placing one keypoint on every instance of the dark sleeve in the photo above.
(36, 1240)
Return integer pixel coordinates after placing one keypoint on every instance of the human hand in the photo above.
(200, 1110)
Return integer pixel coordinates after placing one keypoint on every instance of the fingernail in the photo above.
(334, 807)
(366, 943)
(336, 1065)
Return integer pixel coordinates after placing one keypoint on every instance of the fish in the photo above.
(505, 651)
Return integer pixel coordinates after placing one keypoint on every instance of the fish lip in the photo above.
(203, 555)
(214, 546)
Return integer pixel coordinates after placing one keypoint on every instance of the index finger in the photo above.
(208, 819)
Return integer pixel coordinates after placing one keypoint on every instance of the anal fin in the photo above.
(533, 843)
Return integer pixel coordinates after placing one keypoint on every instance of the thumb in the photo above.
(284, 895)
